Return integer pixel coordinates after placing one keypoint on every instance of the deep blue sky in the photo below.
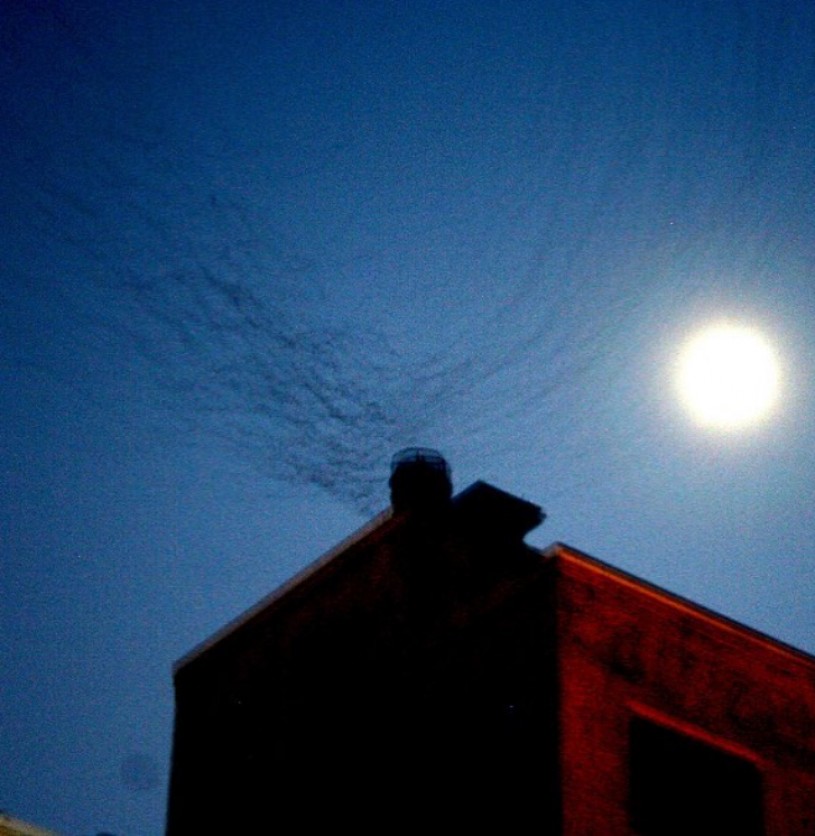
(250, 249)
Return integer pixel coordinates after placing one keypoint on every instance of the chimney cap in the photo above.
(420, 479)
(426, 455)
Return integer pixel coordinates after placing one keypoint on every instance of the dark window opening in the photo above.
(681, 785)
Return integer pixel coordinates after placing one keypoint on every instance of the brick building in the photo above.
(434, 671)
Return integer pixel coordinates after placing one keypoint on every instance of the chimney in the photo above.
(420, 480)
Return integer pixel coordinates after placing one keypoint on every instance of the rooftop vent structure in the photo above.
(420, 480)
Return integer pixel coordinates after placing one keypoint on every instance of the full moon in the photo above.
(728, 376)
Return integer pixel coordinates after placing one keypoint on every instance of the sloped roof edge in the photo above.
(276, 594)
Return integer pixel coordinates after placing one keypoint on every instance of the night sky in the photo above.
(251, 249)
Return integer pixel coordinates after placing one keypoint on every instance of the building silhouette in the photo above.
(433, 671)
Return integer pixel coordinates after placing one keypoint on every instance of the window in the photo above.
(680, 785)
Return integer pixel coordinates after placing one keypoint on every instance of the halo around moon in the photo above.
(728, 376)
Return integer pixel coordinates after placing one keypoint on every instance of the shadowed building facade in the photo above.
(434, 671)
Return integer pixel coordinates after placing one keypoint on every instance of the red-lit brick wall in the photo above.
(626, 648)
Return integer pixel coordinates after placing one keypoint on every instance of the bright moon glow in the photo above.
(728, 376)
